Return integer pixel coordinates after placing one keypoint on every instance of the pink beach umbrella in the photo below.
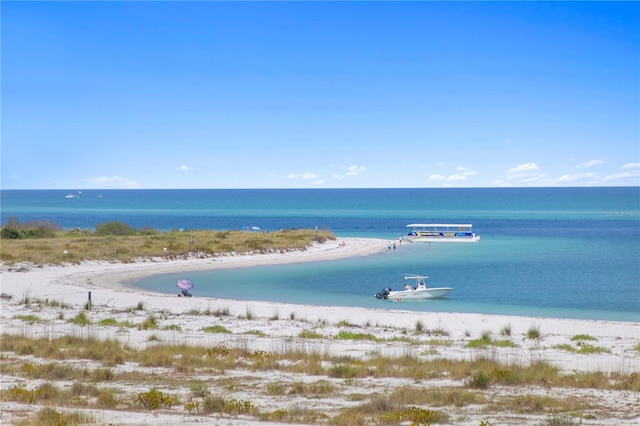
(184, 284)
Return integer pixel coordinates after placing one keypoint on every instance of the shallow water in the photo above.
(556, 252)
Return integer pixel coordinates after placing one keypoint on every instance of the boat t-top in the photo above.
(441, 233)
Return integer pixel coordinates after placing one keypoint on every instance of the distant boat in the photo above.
(76, 196)
(419, 291)
(441, 233)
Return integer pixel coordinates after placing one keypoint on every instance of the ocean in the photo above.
(553, 252)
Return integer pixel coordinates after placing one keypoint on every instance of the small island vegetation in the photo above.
(44, 242)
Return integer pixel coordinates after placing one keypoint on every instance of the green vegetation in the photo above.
(45, 243)
(581, 347)
(533, 333)
(506, 330)
(310, 334)
(205, 396)
(50, 417)
(14, 230)
(216, 329)
(80, 319)
(150, 323)
(485, 340)
(155, 399)
(582, 338)
(28, 318)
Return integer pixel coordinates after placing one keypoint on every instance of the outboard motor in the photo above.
(384, 293)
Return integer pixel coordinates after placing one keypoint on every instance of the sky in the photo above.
(124, 95)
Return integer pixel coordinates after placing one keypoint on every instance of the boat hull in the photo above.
(420, 294)
(418, 239)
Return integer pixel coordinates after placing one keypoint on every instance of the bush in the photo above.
(478, 381)
(14, 230)
(9, 234)
(114, 228)
(154, 399)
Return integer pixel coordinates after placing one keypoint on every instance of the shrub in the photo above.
(534, 333)
(49, 416)
(154, 399)
(9, 234)
(150, 323)
(506, 330)
(478, 381)
(114, 228)
(310, 334)
(215, 329)
(582, 337)
(80, 319)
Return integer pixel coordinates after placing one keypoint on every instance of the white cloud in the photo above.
(525, 173)
(184, 168)
(631, 166)
(454, 178)
(461, 176)
(115, 182)
(353, 170)
(630, 175)
(526, 167)
(576, 178)
(634, 174)
(306, 175)
(318, 182)
(589, 163)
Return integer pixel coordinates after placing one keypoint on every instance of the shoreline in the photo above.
(280, 324)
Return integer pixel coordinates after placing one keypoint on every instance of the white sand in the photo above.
(281, 323)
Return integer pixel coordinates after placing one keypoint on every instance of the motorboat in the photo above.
(441, 233)
(417, 291)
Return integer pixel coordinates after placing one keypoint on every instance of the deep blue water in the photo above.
(562, 252)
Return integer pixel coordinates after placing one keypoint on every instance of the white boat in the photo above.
(418, 291)
(73, 195)
(441, 233)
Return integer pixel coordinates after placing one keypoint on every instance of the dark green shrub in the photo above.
(9, 233)
(114, 228)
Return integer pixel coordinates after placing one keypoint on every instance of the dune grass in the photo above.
(69, 247)
(335, 376)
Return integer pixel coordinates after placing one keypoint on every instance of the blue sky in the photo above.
(99, 95)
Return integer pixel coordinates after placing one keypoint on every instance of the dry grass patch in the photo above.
(69, 247)
(50, 417)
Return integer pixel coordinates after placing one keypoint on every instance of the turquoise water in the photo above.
(557, 252)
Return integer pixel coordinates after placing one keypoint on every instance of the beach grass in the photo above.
(70, 247)
(209, 392)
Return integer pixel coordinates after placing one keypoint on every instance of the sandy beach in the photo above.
(276, 327)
